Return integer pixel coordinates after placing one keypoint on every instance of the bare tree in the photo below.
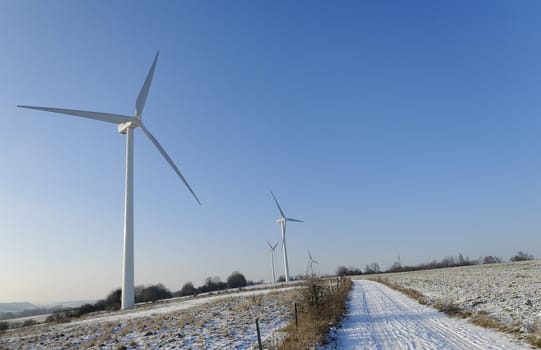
(521, 256)
(372, 268)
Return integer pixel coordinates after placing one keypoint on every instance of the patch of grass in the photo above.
(256, 299)
(535, 340)
(412, 293)
(483, 319)
(451, 309)
(320, 306)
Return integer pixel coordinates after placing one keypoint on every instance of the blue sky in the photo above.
(387, 126)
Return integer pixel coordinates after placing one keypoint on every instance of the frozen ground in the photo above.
(380, 318)
(508, 292)
(218, 322)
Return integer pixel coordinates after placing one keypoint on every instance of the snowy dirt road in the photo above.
(381, 318)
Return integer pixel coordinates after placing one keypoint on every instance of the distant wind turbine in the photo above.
(282, 221)
(310, 266)
(126, 125)
(272, 248)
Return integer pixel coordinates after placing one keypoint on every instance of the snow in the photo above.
(216, 322)
(508, 292)
(377, 317)
(381, 318)
(169, 306)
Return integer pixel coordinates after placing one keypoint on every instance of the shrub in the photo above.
(212, 284)
(492, 260)
(521, 256)
(320, 307)
(100, 305)
(151, 293)
(59, 317)
(28, 323)
(396, 267)
(86, 309)
(372, 268)
(187, 289)
(112, 302)
(236, 280)
(348, 271)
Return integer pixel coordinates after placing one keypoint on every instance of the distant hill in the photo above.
(16, 307)
(68, 304)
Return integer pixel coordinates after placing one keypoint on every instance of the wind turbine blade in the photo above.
(278, 205)
(104, 117)
(168, 159)
(274, 246)
(294, 220)
(317, 262)
(309, 255)
(140, 103)
(270, 245)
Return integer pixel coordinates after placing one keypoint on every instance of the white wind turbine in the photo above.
(126, 125)
(272, 248)
(282, 220)
(310, 266)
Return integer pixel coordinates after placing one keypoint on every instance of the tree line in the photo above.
(449, 261)
(149, 294)
(213, 284)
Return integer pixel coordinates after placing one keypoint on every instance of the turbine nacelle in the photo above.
(311, 259)
(280, 220)
(123, 128)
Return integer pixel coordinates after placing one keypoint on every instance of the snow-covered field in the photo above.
(380, 318)
(216, 322)
(508, 292)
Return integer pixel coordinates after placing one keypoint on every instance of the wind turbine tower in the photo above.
(272, 249)
(126, 125)
(310, 266)
(282, 221)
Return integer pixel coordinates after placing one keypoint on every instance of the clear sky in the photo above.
(388, 126)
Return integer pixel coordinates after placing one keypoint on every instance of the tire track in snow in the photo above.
(366, 312)
(379, 318)
(398, 322)
(443, 337)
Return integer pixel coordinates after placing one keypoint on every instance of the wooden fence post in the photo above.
(258, 334)
(296, 318)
